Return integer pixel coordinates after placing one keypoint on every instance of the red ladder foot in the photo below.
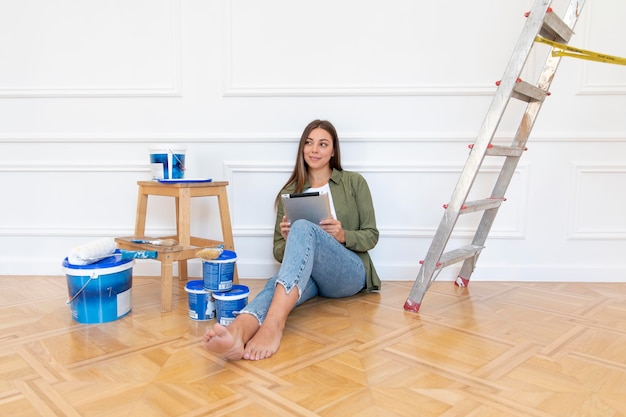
(461, 282)
(412, 306)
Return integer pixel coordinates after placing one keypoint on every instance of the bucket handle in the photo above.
(91, 277)
(182, 166)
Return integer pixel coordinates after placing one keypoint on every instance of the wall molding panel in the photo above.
(603, 78)
(596, 201)
(238, 174)
(68, 63)
(273, 63)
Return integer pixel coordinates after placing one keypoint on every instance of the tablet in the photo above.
(314, 206)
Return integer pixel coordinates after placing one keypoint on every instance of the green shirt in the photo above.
(353, 204)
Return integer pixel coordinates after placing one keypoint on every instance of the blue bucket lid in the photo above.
(226, 255)
(196, 287)
(236, 292)
(109, 262)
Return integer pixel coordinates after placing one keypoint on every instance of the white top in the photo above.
(325, 189)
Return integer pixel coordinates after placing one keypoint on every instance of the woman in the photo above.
(329, 259)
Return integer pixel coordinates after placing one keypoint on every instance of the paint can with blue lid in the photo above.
(201, 301)
(218, 273)
(229, 303)
(167, 162)
(101, 291)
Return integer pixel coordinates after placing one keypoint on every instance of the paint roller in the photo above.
(99, 249)
(210, 253)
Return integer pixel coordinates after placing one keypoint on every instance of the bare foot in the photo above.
(265, 342)
(222, 342)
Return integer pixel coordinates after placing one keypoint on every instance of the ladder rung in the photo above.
(527, 92)
(495, 150)
(458, 255)
(478, 205)
(505, 151)
(555, 29)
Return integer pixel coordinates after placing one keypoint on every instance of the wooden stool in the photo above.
(187, 245)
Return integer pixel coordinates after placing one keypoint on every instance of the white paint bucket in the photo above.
(167, 162)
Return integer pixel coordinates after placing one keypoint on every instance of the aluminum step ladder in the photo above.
(540, 21)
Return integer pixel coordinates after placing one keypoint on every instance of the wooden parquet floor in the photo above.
(493, 349)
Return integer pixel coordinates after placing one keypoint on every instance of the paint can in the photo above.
(100, 292)
(167, 162)
(218, 273)
(228, 303)
(201, 301)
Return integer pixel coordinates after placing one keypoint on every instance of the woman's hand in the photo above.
(285, 226)
(333, 228)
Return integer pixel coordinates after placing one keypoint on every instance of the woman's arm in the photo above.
(279, 240)
(360, 231)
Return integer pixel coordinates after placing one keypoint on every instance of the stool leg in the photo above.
(166, 282)
(140, 216)
(227, 230)
(183, 226)
(182, 270)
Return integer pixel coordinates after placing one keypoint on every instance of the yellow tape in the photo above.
(568, 51)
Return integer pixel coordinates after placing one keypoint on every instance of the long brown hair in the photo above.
(300, 173)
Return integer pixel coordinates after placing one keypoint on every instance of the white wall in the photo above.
(86, 87)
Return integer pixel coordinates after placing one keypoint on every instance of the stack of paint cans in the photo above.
(223, 298)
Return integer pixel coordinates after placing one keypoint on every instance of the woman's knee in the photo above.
(301, 225)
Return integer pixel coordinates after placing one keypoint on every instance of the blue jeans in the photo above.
(316, 264)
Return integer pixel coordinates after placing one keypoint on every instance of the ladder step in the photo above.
(478, 205)
(555, 29)
(505, 151)
(527, 92)
(496, 150)
(458, 255)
